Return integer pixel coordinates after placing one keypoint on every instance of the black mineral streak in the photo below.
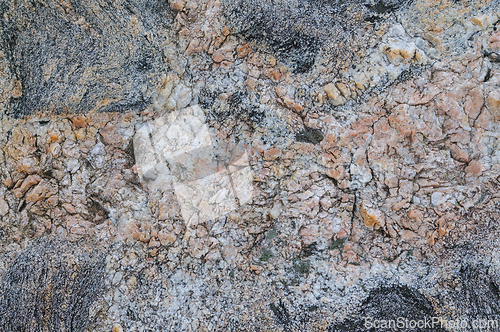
(281, 314)
(309, 135)
(296, 31)
(83, 56)
(390, 303)
(477, 296)
(50, 287)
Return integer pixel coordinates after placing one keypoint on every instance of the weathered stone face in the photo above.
(50, 287)
(67, 56)
(249, 165)
(297, 31)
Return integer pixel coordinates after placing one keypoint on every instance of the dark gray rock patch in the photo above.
(390, 303)
(50, 287)
(309, 135)
(473, 289)
(73, 56)
(297, 31)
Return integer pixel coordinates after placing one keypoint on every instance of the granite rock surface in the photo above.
(251, 165)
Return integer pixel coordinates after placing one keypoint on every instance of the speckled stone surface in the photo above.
(250, 165)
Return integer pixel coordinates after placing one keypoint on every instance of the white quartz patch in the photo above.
(177, 150)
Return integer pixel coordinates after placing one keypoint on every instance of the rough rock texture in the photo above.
(371, 129)
(388, 303)
(70, 56)
(50, 287)
(297, 31)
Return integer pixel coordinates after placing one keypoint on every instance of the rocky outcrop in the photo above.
(249, 165)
